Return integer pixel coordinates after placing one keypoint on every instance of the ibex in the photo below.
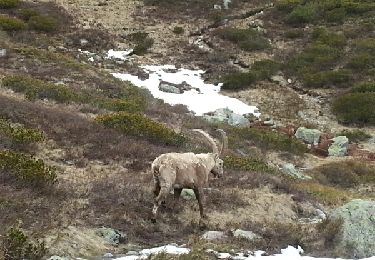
(186, 170)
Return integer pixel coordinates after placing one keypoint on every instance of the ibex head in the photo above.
(218, 169)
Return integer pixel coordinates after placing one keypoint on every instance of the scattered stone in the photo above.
(310, 136)
(249, 235)
(188, 194)
(357, 235)
(83, 42)
(112, 236)
(339, 147)
(225, 115)
(280, 80)
(3, 53)
(56, 257)
(217, 7)
(214, 235)
(269, 123)
(291, 170)
(169, 88)
(108, 255)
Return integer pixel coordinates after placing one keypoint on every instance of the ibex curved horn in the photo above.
(224, 141)
(213, 144)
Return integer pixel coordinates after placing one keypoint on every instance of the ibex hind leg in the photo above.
(164, 191)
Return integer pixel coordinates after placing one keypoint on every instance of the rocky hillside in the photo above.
(76, 143)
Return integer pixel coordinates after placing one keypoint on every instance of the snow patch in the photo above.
(120, 55)
(206, 99)
(168, 249)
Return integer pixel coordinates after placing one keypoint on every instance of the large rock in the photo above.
(169, 88)
(339, 146)
(214, 235)
(249, 235)
(112, 236)
(291, 170)
(357, 236)
(225, 115)
(310, 136)
(188, 194)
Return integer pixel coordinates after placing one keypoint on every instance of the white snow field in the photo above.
(202, 98)
(289, 253)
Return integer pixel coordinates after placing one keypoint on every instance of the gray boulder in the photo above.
(291, 170)
(225, 115)
(214, 235)
(310, 136)
(249, 235)
(188, 194)
(357, 236)
(238, 120)
(112, 236)
(169, 88)
(339, 147)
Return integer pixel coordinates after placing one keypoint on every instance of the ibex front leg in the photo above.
(200, 197)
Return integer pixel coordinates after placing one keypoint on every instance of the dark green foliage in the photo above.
(337, 78)
(364, 87)
(299, 12)
(42, 23)
(246, 39)
(294, 33)
(27, 170)
(26, 14)
(363, 59)
(10, 24)
(246, 164)
(9, 3)
(266, 139)
(261, 70)
(19, 133)
(178, 30)
(355, 108)
(141, 126)
(143, 42)
(37, 89)
(16, 246)
(355, 135)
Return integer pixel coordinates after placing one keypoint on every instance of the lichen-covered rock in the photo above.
(238, 120)
(291, 170)
(310, 136)
(357, 235)
(214, 235)
(112, 236)
(188, 194)
(339, 147)
(225, 115)
(249, 235)
(169, 88)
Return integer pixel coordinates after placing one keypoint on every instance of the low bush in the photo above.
(266, 139)
(38, 89)
(337, 78)
(11, 24)
(287, 5)
(246, 164)
(355, 136)
(260, 70)
(42, 23)
(143, 42)
(141, 126)
(294, 33)
(6, 4)
(26, 14)
(364, 87)
(246, 39)
(178, 30)
(355, 108)
(302, 14)
(19, 133)
(363, 58)
(325, 194)
(132, 104)
(27, 170)
(16, 245)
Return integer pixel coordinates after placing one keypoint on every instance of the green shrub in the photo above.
(355, 108)
(336, 15)
(26, 14)
(10, 24)
(363, 59)
(303, 14)
(27, 170)
(16, 246)
(364, 87)
(294, 33)
(131, 105)
(38, 89)
(143, 42)
(19, 133)
(9, 3)
(141, 126)
(246, 39)
(42, 23)
(261, 70)
(287, 5)
(338, 78)
(246, 164)
(178, 30)
(355, 135)
(268, 140)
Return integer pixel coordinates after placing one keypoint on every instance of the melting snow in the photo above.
(121, 55)
(289, 253)
(206, 99)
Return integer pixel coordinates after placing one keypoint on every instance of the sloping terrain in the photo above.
(76, 144)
